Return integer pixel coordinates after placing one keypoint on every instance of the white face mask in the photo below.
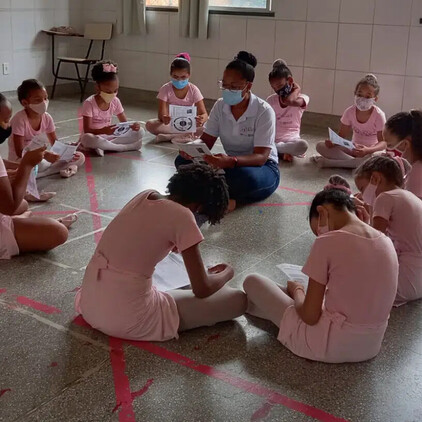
(369, 195)
(108, 98)
(364, 104)
(40, 108)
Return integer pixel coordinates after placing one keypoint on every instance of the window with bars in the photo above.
(221, 5)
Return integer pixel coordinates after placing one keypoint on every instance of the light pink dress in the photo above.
(166, 93)
(403, 211)
(288, 119)
(8, 244)
(22, 127)
(117, 295)
(360, 275)
(414, 179)
(364, 133)
(100, 118)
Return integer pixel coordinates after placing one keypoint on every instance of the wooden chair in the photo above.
(93, 32)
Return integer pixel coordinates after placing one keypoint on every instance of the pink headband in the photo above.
(109, 68)
(399, 161)
(341, 187)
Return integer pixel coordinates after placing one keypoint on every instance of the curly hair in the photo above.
(387, 166)
(203, 185)
(369, 80)
(28, 85)
(245, 64)
(280, 70)
(99, 75)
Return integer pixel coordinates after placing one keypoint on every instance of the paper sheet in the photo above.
(294, 273)
(123, 128)
(65, 151)
(183, 119)
(338, 140)
(31, 187)
(37, 141)
(196, 151)
(170, 273)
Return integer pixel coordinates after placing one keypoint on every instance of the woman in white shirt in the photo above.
(245, 125)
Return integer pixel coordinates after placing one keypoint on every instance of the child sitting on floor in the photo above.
(32, 121)
(97, 111)
(178, 92)
(365, 120)
(288, 104)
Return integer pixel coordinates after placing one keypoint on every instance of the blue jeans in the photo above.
(248, 184)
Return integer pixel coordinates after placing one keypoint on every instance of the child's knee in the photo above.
(87, 139)
(59, 235)
(252, 281)
(320, 147)
(152, 125)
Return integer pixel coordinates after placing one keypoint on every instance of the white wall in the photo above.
(27, 51)
(329, 45)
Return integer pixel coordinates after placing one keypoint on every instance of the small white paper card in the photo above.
(183, 119)
(294, 273)
(37, 142)
(338, 140)
(123, 128)
(31, 187)
(170, 273)
(196, 151)
(65, 151)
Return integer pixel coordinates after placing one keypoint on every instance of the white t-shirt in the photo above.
(255, 128)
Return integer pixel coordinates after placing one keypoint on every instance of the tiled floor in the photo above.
(54, 369)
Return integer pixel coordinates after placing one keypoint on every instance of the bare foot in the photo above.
(287, 157)
(68, 220)
(44, 197)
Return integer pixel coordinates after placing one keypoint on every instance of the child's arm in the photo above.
(51, 157)
(12, 194)
(106, 130)
(18, 142)
(380, 224)
(122, 118)
(205, 283)
(202, 115)
(163, 112)
(293, 100)
(308, 305)
(345, 131)
(362, 150)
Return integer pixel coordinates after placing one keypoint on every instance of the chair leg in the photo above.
(85, 82)
(56, 76)
(79, 79)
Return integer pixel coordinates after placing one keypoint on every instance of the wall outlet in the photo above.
(5, 68)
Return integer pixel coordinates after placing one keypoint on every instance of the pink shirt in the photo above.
(288, 119)
(101, 118)
(166, 93)
(403, 210)
(117, 295)
(3, 172)
(360, 274)
(22, 127)
(364, 133)
(414, 179)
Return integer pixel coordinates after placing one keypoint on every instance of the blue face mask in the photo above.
(232, 98)
(180, 84)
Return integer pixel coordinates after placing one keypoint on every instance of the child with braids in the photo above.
(365, 121)
(403, 131)
(398, 213)
(288, 104)
(117, 296)
(343, 314)
(98, 110)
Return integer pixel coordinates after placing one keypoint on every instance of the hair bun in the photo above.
(183, 55)
(246, 57)
(338, 182)
(279, 63)
(370, 77)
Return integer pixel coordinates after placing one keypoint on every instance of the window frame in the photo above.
(225, 10)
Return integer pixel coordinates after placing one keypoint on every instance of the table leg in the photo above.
(53, 56)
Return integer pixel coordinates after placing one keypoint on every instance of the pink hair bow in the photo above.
(399, 161)
(109, 68)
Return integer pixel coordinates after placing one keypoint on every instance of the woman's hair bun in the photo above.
(246, 57)
(279, 63)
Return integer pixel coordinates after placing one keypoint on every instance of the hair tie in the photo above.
(109, 68)
(341, 187)
(399, 161)
(183, 56)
